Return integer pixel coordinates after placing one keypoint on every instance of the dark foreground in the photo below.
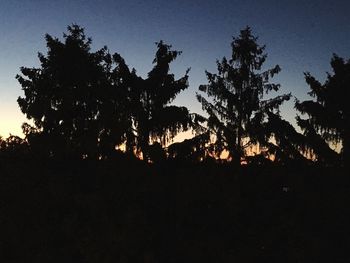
(125, 211)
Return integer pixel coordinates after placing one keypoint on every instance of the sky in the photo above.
(299, 36)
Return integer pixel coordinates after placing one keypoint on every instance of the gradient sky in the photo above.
(300, 36)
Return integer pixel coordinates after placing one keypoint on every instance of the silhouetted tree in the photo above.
(157, 120)
(329, 113)
(193, 149)
(66, 96)
(86, 103)
(237, 112)
(289, 145)
(117, 111)
(13, 146)
(152, 119)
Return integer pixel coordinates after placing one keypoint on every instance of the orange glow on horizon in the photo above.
(11, 125)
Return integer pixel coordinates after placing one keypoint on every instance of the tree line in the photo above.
(88, 104)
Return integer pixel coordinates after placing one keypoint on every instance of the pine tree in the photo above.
(157, 120)
(152, 121)
(237, 111)
(328, 113)
(64, 96)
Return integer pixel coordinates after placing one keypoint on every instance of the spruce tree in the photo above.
(237, 111)
(328, 113)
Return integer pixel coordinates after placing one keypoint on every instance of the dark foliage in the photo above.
(66, 95)
(153, 120)
(67, 194)
(190, 150)
(238, 114)
(14, 147)
(329, 114)
(84, 104)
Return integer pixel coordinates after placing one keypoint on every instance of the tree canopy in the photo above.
(153, 118)
(85, 103)
(238, 114)
(65, 96)
(328, 113)
(89, 104)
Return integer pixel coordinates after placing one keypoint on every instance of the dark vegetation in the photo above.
(97, 178)
(128, 211)
(89, 105)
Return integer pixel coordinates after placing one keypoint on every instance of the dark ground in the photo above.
(126, 211)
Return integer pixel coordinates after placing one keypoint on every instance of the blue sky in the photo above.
(299, 36)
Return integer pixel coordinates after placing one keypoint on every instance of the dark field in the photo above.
(127, 211)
